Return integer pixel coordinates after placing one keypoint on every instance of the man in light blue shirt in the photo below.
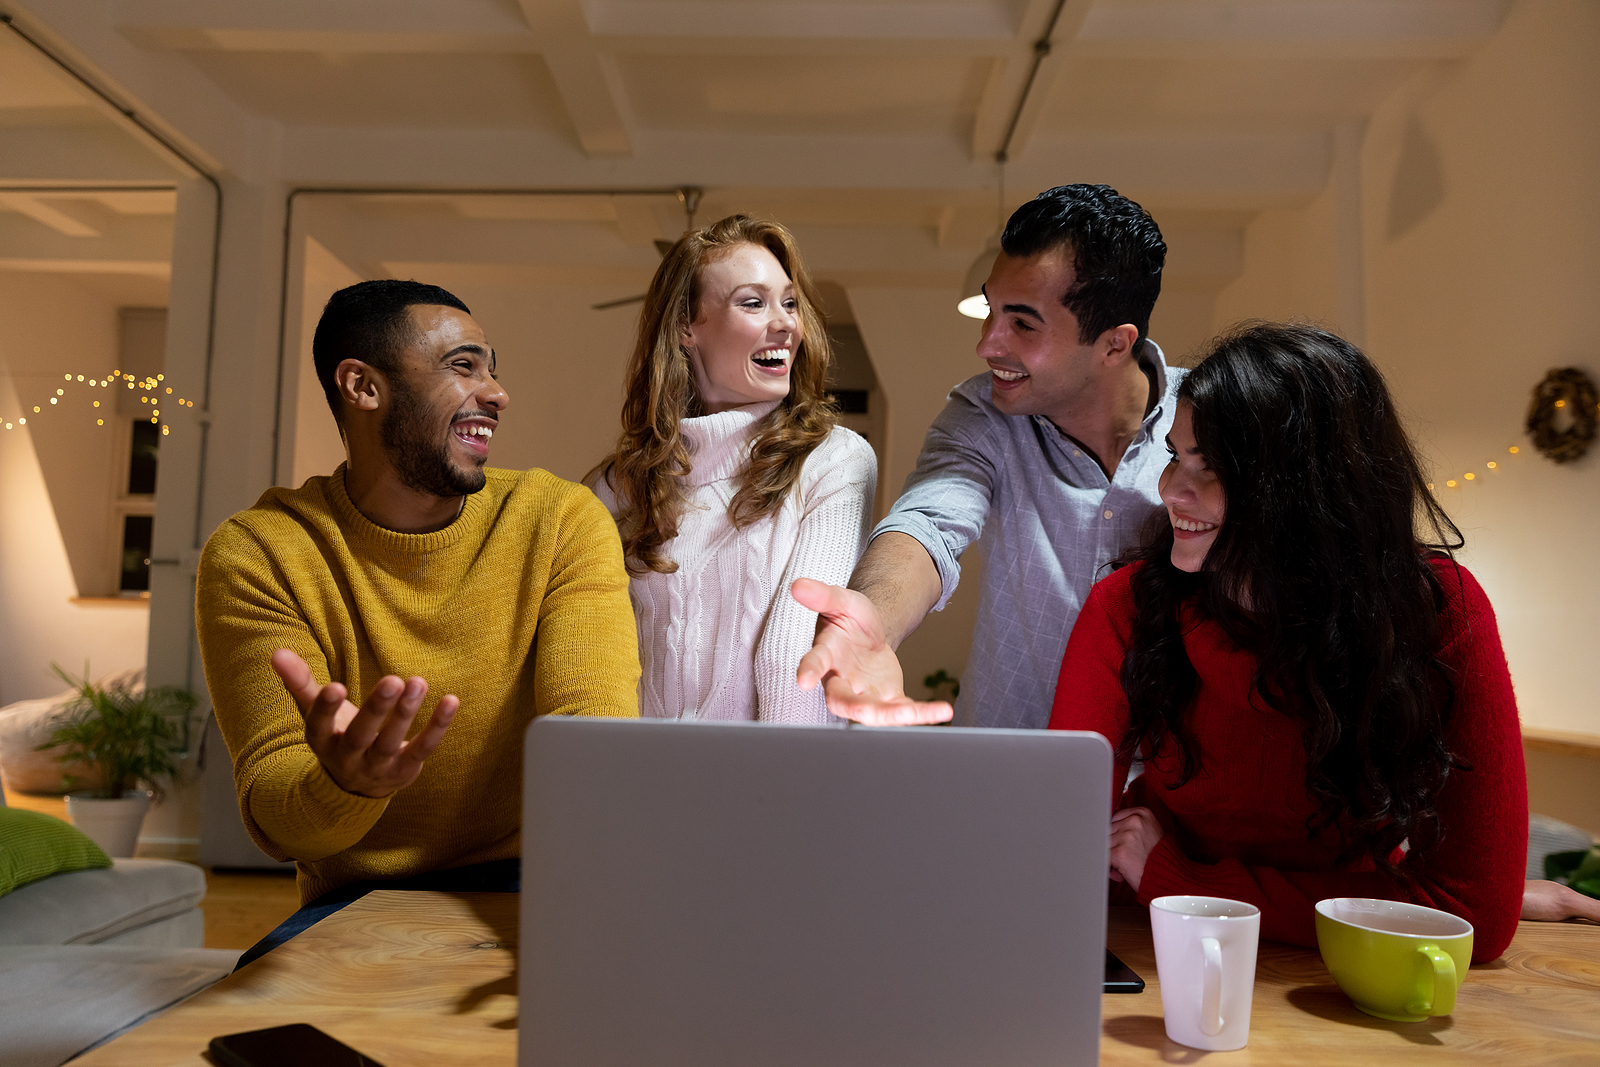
(1049, 463)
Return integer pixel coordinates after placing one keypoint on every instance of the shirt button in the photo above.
(1108, 513)
(1075, 452)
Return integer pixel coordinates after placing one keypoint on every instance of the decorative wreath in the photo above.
(1570, 392)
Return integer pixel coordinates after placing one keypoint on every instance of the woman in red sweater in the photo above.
(1316, 689)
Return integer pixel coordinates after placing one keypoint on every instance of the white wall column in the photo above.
(218, 458)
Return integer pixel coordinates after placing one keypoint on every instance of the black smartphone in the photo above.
(300, 1044)
(1120, 977)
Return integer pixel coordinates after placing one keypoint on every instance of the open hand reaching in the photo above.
(859, 673)
(364, 750)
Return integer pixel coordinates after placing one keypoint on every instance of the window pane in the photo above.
(136, 530)
(142, 461)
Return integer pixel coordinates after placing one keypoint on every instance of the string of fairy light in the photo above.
(153, 391)
(1472, 476)
(1461, 481)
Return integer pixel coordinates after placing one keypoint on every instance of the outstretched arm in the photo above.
(858, 629)
(1551, 902)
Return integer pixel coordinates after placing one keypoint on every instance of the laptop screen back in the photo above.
(735, 894)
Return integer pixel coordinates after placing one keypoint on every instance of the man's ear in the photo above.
(360, 385)
(1116, 344)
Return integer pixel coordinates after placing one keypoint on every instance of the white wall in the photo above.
(55, 323)
(318, 446)
(921, 348)
(1481, 210)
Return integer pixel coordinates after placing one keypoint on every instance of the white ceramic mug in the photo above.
(1206, 962)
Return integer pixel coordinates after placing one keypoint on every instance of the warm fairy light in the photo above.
(99, 422)
(36, 409)
(1451, 484)
(52, 400)
(97, 403)
(153, 420)
(80, 377)
(1470, 476)
(169, 390)
(154, 412)
(1493, 465)
(161, 377)
(163, 431)
(1514, 450)
(144, 400)
(1561, 403)
(24, 422)
(61, 392)
(1430, 485)
(69, 377)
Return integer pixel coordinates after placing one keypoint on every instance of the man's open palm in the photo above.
(365, 749)
(859, 673)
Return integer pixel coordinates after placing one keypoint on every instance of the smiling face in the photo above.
(1193, 495)
(1038, 364)
(444, 404)
(746, 330)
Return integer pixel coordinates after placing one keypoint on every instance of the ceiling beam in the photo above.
(47, 214)
(1346, 29)
(982, 20)
(1238, 171)
(140, 239)
(586, 77)
(1010, 78)
(326, 26)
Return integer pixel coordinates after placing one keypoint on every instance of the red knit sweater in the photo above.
(1237, 829)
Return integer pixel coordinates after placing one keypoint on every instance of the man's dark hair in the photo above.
(368, 321)
(1117, 254)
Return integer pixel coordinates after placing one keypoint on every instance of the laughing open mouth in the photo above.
(771, 358)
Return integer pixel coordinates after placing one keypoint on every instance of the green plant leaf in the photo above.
(131, 738)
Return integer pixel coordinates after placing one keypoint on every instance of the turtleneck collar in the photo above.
(719, 443)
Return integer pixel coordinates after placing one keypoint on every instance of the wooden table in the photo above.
(430, 978)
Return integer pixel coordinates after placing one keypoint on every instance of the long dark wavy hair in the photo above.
(1321, 568)
(647, 468)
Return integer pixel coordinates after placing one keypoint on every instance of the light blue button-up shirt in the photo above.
(1047, 522)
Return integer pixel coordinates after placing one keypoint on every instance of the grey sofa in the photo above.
(87, 955)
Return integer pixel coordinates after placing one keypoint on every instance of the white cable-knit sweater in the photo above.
(720, 637)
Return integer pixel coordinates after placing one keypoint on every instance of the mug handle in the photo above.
(1438, 967)
(1211, 987)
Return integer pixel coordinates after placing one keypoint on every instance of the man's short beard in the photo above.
(422, 462)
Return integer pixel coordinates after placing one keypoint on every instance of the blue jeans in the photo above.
(497, 876)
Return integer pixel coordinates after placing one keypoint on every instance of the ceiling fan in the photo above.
(689, 196)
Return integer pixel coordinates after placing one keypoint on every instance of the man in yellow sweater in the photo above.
(457, 602)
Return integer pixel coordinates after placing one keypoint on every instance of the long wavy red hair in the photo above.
(647, 468)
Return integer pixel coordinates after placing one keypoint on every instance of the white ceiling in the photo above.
(844, 118)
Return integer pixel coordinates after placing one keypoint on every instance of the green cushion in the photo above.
(34, 846)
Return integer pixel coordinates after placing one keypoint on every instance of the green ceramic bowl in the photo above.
(1396, 961)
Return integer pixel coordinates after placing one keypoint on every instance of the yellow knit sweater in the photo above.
(519, 607)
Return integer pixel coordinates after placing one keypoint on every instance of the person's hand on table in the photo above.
(364, 750)
(1552, 902)
(852, 661)
(1134, 834)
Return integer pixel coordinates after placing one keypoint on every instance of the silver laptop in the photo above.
(739, 895)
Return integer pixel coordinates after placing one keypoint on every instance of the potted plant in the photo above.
(134, 740)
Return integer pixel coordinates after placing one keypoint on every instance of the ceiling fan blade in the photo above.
(664, 247)
(618, 303)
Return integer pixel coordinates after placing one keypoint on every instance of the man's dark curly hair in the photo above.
(1117, 254)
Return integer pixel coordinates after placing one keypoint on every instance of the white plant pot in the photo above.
(111, 824)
